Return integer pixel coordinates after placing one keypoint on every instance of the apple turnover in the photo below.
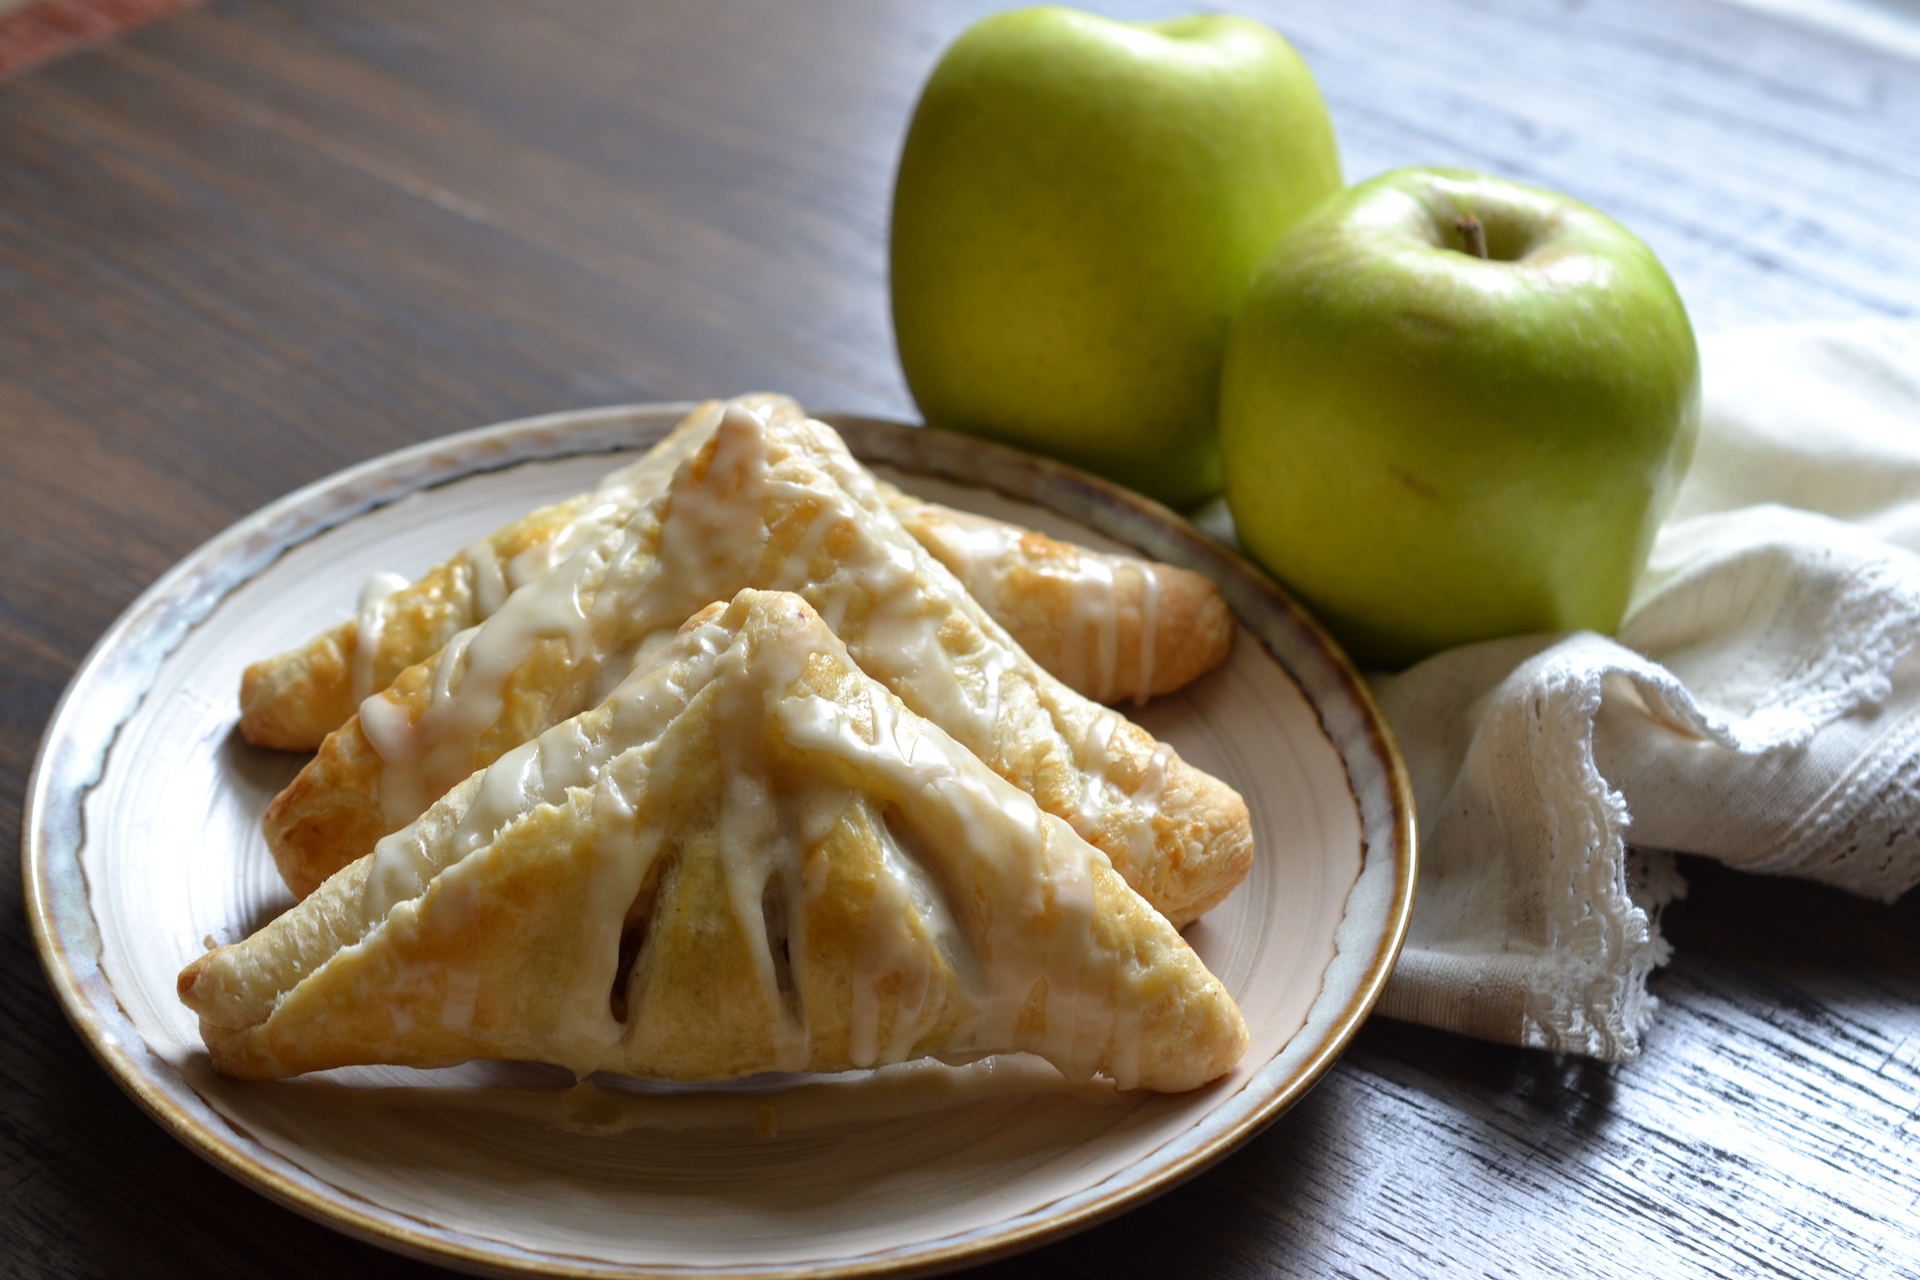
(293, 700)
(1107, 626)
(751, 857)
(778, 505)
(1110, 626)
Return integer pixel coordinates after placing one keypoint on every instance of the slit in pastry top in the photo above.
(776, 506)
(750, 857)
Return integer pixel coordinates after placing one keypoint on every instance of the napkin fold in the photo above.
(1760, 705)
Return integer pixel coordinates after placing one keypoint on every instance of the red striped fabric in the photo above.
(43, 30)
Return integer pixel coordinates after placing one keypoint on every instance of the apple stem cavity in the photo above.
(1473, 233)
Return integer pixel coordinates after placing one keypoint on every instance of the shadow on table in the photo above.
(1784, 926)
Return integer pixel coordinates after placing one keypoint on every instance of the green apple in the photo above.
(1433, 442)
(1079, 208)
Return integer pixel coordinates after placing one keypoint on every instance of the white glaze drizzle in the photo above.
(620, 494)
(1096, 601)
(1026, 927)
(489, 578)
(704, 538)
(908, 925)
(615, 765)
(614, 501)
(982, 552)
(758, 843)
(424, 756)
(1149, 630)
(1094, 800)
(1145, 801)
(368, 621)
(1025, 904)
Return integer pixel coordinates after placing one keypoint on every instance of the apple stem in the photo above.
(1474, 234)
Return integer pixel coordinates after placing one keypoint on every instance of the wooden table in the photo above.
(262, 241)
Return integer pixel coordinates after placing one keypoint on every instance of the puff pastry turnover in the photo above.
(293, 700)
(1111, 626)
(1107, 626)
(774, 505)
(750, 858)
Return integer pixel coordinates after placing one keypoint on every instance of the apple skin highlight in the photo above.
(1431, 449)
(1079, 208)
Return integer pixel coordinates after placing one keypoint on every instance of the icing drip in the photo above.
(614, 764)
(425, 755)
(551, 584)
(1149, 630)
(1103, 589)
(1146, 801)
(1094, 800)
(1008, 901)
(761, 850)
(615, 500)
(785, 509)
(489, 578)
(1094, 624)
(368, 621)
(998, 835)
(903, 899)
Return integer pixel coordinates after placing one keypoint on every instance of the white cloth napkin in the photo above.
(1760, 705)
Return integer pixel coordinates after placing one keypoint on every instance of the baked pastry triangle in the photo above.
(781, 506)
(750, 858)
(293, 700)
(1108, 626)
(1111, 626)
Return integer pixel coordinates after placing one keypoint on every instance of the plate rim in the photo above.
(74, 748)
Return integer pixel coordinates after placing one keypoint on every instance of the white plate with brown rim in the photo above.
(141, 845)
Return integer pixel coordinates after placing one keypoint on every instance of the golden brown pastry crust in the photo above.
(1109, 626)
(1180, 837)
(1034, 586)
(293, 700)
(582, 903)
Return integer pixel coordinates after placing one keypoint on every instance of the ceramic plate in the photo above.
(142, 847)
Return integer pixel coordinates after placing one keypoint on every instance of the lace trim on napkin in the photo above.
(1535, 924)
(1532, 925)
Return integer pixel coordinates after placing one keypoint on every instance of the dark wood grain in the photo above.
(262, 241)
